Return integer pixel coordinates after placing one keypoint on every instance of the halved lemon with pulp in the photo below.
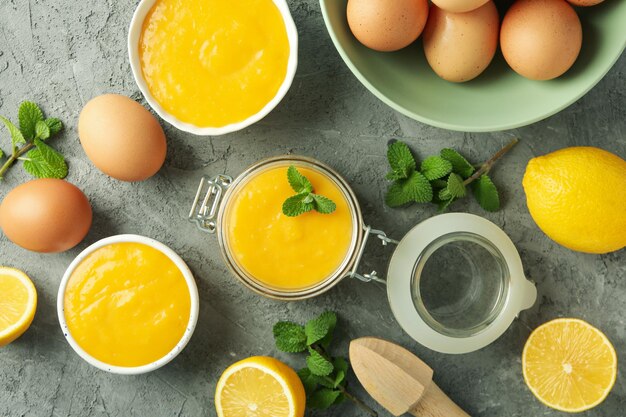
(569, 365)
(18, 302)
(259, 386)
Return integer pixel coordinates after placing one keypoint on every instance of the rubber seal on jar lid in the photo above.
(433, 325)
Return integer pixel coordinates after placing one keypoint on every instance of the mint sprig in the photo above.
(441, 179)
(305, 200)
(324, 377)
(27, 143)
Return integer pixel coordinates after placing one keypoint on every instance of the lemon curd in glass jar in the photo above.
(281, 252)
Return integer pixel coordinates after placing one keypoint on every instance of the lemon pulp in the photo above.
(18, 302)
(259, 386)
(569, 365)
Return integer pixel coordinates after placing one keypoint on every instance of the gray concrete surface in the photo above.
(60, 53)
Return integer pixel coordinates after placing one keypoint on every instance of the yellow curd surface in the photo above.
(288, 253)
(211, 63)
(127, 304)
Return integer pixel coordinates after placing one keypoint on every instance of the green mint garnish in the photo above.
(401, 161)
(27, 143)
(324, 377)
(305, 200)
(486, 193)
(441, 179)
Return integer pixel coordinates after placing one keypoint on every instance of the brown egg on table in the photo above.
(387, 25)
(585, 3)
(541, 39)
(46, 215)
(122, 138)
(460, 46)
(459, 6)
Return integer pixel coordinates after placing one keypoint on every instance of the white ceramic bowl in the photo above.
(193, 315)
(134, 34)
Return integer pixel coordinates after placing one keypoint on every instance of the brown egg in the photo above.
(122, 138)
(459, 46)
(387, 25)
(46, 215)
(541, 39)
(585, 3)
(459, 6)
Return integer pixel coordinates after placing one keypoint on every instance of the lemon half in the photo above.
(18, 302)
(569, 365)
(259, 386)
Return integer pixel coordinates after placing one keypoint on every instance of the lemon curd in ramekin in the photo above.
(128, 305)
(281, 256)
(214, 63)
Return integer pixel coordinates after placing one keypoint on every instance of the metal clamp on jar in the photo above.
(455, 281)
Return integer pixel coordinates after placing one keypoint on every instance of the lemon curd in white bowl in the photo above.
(128, 304)
(211, 67)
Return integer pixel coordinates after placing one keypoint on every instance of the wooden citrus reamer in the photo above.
(399, 380)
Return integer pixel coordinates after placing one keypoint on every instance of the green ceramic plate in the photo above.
(499, 99)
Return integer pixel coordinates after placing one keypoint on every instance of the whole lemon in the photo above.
(577, 196)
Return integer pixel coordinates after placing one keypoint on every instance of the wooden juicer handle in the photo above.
(435, 403)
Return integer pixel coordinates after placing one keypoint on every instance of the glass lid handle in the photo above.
(207, 202)
(384, 240)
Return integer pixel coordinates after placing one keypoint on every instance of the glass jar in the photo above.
(214, 202)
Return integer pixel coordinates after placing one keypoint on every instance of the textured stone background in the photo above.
(60, 53)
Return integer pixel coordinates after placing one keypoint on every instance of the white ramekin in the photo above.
(193, 314)
(134, 34)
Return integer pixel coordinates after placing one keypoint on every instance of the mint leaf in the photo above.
(54, 124)
(331, 319)
(401, 161)
(439, 183)
(443, 205)
(309, 380)
(16, 135)
(305, 200)
(42, 131)
(323, 205)
(341, 398)
(486, 193)
(318, 364)
(341, 368)
(323, 398)
(435, 167)
(29, 114)
(289, 337)
(298, 182)
(454, 188)
(460, 165)
(296, 205)
(45, 162)
(318, 328)
(414, 189)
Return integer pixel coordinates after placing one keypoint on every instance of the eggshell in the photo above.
(122, 138)
(46, 215)
(585, 3)
(459, 6)
(387, 25)
(541, 39)
(459, 46)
